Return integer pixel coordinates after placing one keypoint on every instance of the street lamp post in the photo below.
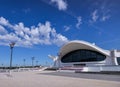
(24, 60)
(36, 63)
(59, 56)
(2, 66)
(11, 47)
(33, 58)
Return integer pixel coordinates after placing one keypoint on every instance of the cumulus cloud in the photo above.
(29, 36)
(61, 4)
(79, 22)
(60, 40)
(3, 21)
(2, 30)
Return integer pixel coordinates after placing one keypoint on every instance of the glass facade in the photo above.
(118, 60)
(83, 55)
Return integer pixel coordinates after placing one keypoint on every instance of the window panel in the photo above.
(118, 60)
(83, 55)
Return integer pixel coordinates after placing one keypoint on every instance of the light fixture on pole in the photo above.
(11, 48)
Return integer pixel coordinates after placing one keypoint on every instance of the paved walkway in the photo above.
(96, 76)
(44, 79)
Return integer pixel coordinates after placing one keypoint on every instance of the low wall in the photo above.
(101, 68)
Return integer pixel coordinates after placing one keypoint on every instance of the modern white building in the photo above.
(84, 56)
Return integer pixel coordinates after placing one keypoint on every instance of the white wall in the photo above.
(101, 68)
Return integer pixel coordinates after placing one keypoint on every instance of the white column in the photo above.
(113, 57)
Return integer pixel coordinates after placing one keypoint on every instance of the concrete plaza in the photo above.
(54, 79)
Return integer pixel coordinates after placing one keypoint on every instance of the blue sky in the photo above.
(41, 27)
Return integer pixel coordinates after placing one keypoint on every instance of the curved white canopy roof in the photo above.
(77, 44)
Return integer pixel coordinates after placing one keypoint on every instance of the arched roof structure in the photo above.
(78, 44)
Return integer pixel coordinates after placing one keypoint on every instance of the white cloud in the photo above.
(7, 38)
(61, 4)
(29, 36)
(105, 17)
(60, 40)
(3, 21)
(102, 16)
(79, 22)
(67, 28)
(95, 16)
(2, 30)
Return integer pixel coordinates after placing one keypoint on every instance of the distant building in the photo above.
(84, 54)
